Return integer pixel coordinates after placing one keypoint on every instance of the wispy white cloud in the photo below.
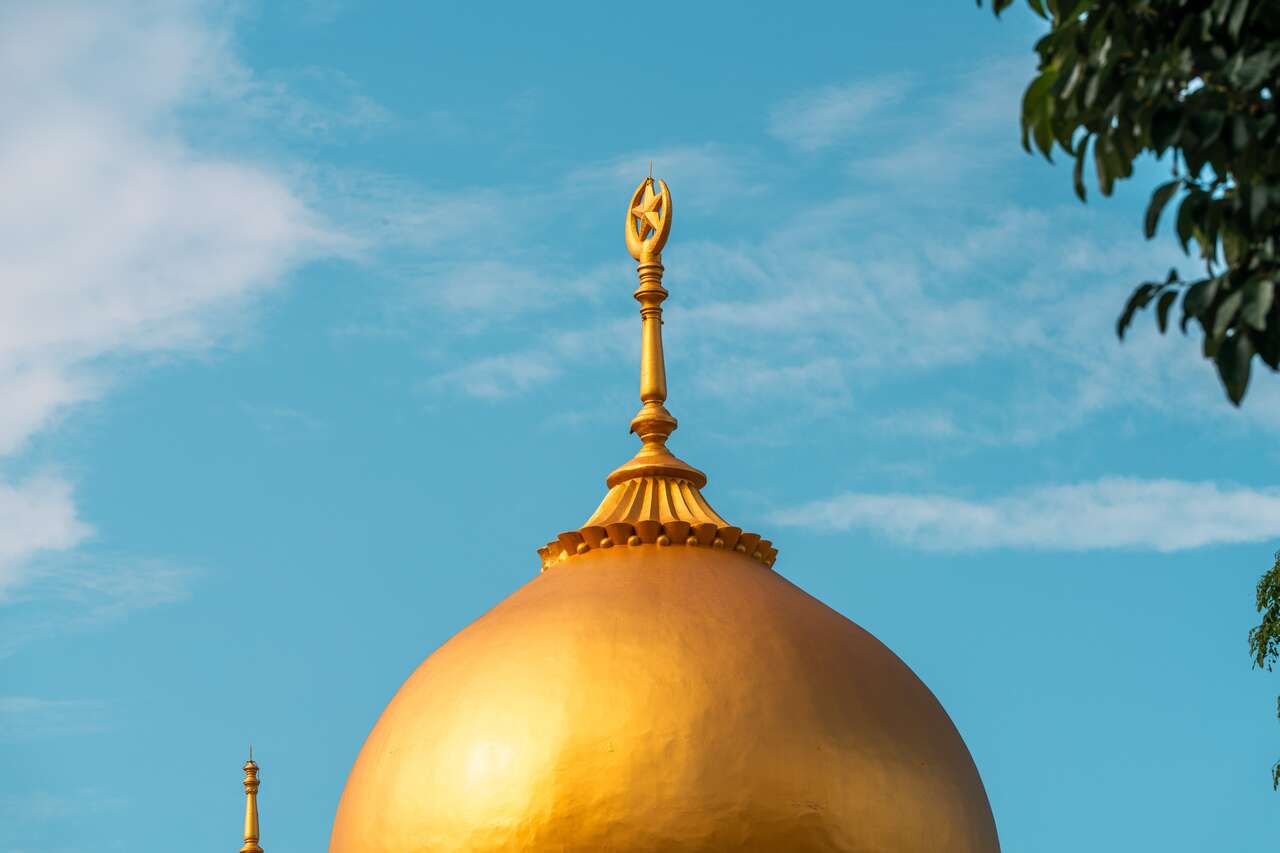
(285, 422)
(321, 12)
(71, 591)
(23, 815)
(819, 383)
(1160, 515)
(824, 303)
(958, 132)
(24, 718)
(395, 218)
(37, 516)
(513, 374)
(816, 120)
(336, 105)
(498, 376)
(484, 291)
(119, 237)
(854, 294)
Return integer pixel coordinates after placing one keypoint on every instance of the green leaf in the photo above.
(1159, 199)
(1162, 309)
(1091, 90)
(1233, 246)
(1237, 17)
(1141, 296)
(1259, 295)
(1185, 222)
(1073, 79)
(1210, 345)
(1102, 162)
(1207, 231)
(1206, 125)
(1042, 133)
(1186, 218)
(1226, 313)
(1166, 125)
(1198, 299)
(1254, 70)
(1036, 106)
(1233, 361)
(1257, 203)
(1239, 132)
(1193, 82)
(1269, 345)
(1077, 174)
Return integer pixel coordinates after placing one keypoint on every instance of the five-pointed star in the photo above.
(647, 211)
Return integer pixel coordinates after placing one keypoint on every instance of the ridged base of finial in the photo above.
(660, 511)
(664, 465)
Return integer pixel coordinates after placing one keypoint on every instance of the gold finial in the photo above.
(648, 226)
(654, 499)
(250, 806)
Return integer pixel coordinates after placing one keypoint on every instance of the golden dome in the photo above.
(658, 687)
(663, 699)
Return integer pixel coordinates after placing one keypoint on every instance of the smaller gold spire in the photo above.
(250, 806)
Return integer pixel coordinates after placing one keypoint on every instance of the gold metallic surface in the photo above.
(655, 497)
(656, 510)
(664, 690)
(663, 699)
(650, 531)
(648, 227)
(250, 806)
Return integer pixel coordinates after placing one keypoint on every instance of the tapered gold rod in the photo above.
(250, 806)
(648, 226)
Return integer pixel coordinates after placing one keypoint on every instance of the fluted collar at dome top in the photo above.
(656, 511)
(655, 498)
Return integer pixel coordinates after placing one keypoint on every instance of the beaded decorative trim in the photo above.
(656, 511)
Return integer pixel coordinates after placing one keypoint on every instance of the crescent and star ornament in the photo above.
(648, 220)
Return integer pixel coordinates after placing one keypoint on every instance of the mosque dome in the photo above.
(659, 687)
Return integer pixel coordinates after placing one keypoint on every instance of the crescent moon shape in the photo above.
(659, 239)
(648, 246)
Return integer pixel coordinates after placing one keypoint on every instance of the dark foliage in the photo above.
(1194, 82)
(1264, 640)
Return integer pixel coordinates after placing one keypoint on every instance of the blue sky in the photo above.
(316, 322)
